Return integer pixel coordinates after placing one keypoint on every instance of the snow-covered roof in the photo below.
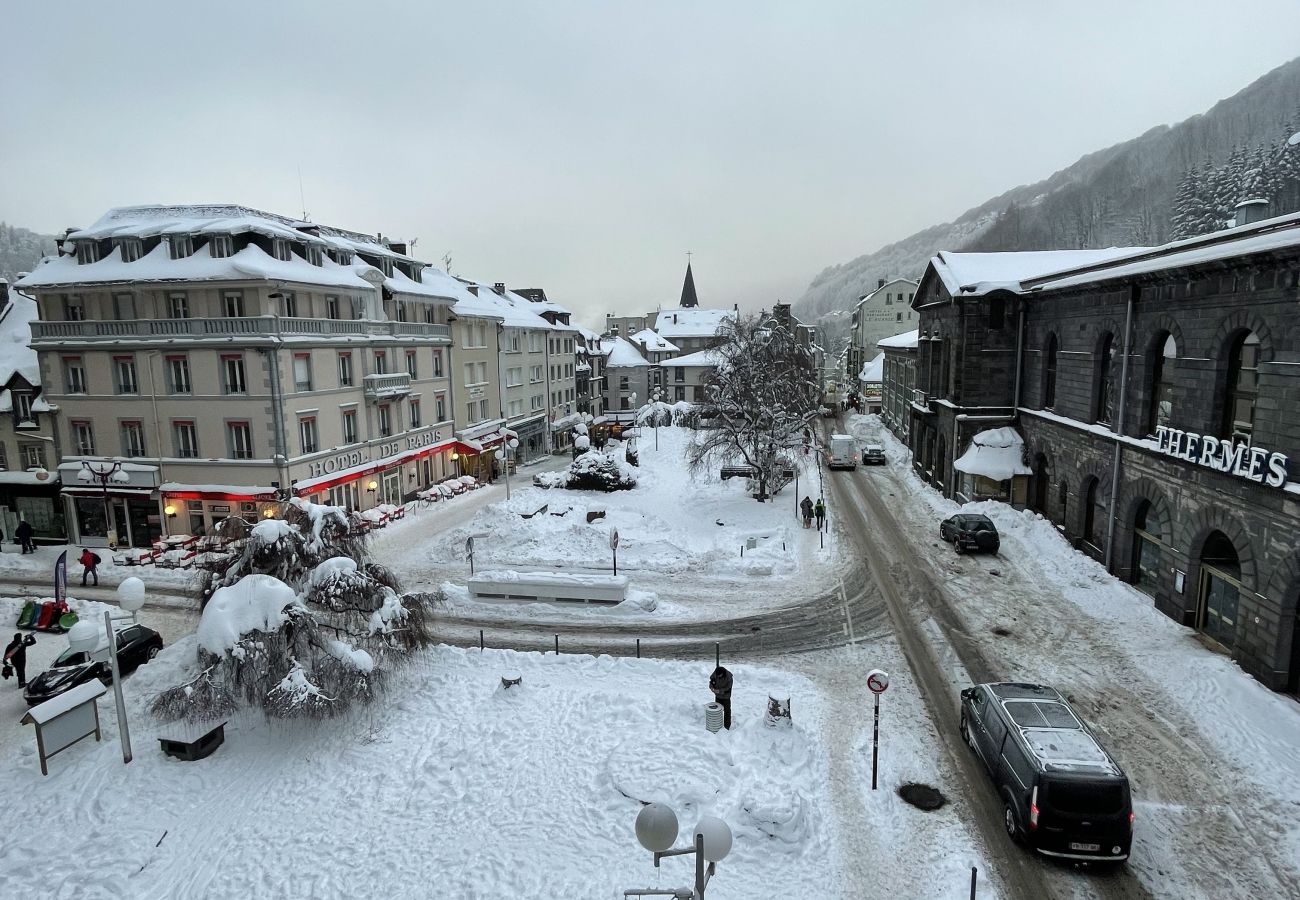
(654, 343)
(997, 454)
(973, 274)
(866, 298)
(588, 335)
(704, 358)
(905, 341)
(623, 353)
(874, 371)
(15, 335)
(695, 321)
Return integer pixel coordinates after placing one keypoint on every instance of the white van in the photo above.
(844, 452)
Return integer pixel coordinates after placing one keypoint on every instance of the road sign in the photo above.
(469, 545)
(877, 681)
(613, 539)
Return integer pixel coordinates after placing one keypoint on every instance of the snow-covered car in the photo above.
(970, 531)
(136, 645)
(873, 455)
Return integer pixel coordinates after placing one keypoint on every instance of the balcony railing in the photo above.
(253, 326)
(390, 384)
(921, 400)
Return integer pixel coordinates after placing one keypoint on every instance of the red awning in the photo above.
(317, 485)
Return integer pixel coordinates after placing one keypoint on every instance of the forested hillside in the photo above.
(21, 249)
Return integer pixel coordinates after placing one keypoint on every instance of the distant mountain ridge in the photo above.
(21, 250)
(1122, 195)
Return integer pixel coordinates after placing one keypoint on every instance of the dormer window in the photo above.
(314, 255)
(280, 249)
(180, 246)
(87, 252)
(221, 246)
(342, 257)
(386, 266)
(129, 248)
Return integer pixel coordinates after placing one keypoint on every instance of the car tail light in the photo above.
(1033, 810)
(1131, 817)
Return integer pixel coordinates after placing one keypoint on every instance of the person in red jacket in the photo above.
(89, 562)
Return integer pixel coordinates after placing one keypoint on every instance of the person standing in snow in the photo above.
(806, 506)
(24, 534)
(16, 656)
(90, 563)
(820, 512)
(720, 683)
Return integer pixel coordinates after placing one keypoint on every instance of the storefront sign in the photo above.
(475, 393)
(336, 463)
(1252, 463)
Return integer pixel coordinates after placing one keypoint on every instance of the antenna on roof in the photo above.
(446, 262)
(302, 197)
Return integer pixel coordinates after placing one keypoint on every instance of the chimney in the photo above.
(500, 288)
(1251, 211)
(735, 307)
(880, 283)
(674, 318)
(398, 247)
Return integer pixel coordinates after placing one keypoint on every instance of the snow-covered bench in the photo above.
(562, 587)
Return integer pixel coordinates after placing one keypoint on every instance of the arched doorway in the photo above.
(1150, 536)
(1219, 590)
(1042, 480)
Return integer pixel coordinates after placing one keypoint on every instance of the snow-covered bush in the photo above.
(594, 470)
(297, 623)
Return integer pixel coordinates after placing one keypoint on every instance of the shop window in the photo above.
(1162, 388)
(1049, 373)
(1243, 389)
(1218, 593)
(1105, 411)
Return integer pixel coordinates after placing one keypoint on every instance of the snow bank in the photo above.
(254, 603)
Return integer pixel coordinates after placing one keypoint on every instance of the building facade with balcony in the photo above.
(1153, 392)
(233, 358)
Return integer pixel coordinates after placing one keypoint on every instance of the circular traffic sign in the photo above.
(613, 539)
(469, 545)
(877, 681)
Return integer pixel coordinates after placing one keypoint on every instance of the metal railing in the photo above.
(255, 326)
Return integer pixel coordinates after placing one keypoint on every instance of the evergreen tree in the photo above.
(1185, 216)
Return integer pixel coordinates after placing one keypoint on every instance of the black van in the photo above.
(1063, 794)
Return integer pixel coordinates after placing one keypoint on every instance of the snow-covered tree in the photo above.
(761, 397)
(298, 623)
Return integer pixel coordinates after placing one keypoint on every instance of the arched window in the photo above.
(1049, 373)
(1094, 515)
(1105, 411)
(1162, 387)
(1219, 589)
(1243, 388)
(1150, 534)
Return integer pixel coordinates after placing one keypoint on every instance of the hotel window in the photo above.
(381, 362)
(411, 367)
(87, 252)
(178, 305)
(1243, 389)
(178, 374)
(187, 439)
(437, 363)
(358, 307)
(307, 434)
(415, 414)
(83, 438)
(314, 255)
(133, 438)
(124, 375)
(331, 306)
(440, 406)
(1049, 373)
(232, 370)
(385, 420)
(33, 455)
(74, 309)
(484, 410)
(430, 316)
(180, 246)
(302, 372)
(124, 306)
(130, 248)
(280, 249)
(349, 426)
(289, 303)
(1162, 387)
(240, 438)
(401, 310)
(220, 246)
(345, 370)
(232, 303)
(74, 375)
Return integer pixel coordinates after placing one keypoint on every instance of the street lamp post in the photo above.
(84, 637)
(657, 396)
(656, 829)
(104, 471)
(507, 455)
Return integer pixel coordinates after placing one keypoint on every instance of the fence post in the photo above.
(974, 872)
(480, 640)
(638, 648)
(717, 654)
(557, 644)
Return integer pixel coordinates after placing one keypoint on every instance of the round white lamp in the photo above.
(130, 594)
(717, 838)
(656, 828)
(513, 443)
(84, 637)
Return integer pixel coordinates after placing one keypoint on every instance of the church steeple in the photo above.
(688, 288)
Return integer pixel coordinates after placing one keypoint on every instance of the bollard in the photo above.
(557, 645)
(974, 872)
(480, 640)
(742, 551)
(717, 654)
(638, 648)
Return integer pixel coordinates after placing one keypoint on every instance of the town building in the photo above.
(627, 377)
(898, 380)
(589, 373)
(884, 312)
(563, 358)
(1150, 396)
(219, 359)
(685, 377)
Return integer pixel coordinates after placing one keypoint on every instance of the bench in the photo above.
(748, 472)
(549, 587)
(197, 748)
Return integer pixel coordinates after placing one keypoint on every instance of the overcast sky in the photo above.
(585, 147)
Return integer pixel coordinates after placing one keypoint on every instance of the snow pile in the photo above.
(997, 454)
(330, 570)
(268, 531)
(254, 603)
(319, 515)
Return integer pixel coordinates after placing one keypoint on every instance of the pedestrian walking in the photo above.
(24, 534)
(820, 512)
(90, 565)
(806, 506)
(720, 683)
(16, 657)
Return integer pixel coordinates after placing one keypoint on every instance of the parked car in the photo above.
(873, 455)
(136, 645)
(1063, 795)
(970, 531)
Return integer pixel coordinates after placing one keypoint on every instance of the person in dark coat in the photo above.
(720, 684)
(16, 656)
(806, 507)
(89, 563)
(24, 534)
(820, 512)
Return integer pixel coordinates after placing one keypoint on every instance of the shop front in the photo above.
(406, 466)
(32, 497)
(110, 503)
(199, 510)
(532, 439)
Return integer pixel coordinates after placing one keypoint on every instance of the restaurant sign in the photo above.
(1242, 460)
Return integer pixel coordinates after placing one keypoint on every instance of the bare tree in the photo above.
(761, 397)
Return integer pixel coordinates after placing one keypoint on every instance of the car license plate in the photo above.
(1086, 848)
